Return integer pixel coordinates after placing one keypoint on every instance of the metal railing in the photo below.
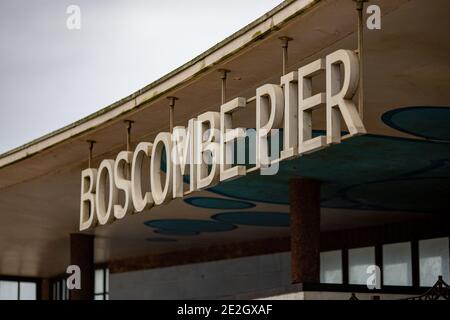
(439, 291)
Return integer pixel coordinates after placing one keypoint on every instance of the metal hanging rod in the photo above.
(284, 45)
(129, 124)
(223, 77)
(91, 147)
(172, 101)
(360, 13)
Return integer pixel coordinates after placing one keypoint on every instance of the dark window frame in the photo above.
(415, 268)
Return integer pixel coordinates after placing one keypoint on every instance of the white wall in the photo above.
(209, 280)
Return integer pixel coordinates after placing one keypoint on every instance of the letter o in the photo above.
(161, 195)
(105, 208)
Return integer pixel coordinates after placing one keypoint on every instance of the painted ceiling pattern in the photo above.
(370, 172)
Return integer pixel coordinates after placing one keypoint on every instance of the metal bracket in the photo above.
(91, 147)
(172, 101)
(285, 44)
(129, 124)
(360, 51)
(223, 76)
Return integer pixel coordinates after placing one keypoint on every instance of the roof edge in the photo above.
(132, 97)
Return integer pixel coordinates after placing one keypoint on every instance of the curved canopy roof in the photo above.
(371, 179)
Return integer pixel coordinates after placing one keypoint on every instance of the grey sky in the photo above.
(51, 76)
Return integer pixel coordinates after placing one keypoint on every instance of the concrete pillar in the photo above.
(45, 290)
(82, 255)
(304, 199)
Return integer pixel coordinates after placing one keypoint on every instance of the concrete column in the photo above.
(82, 255)
(45, 293)
(304, 199)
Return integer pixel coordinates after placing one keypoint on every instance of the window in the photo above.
(433, 261)
(9, 290)
(27, 290)
(397, 267)
(101, 284)
(18, 290)
(331, 266)
(358, 262)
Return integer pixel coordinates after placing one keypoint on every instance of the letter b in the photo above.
(88, 212)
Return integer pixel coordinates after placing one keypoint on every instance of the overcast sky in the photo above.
(51, 76)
